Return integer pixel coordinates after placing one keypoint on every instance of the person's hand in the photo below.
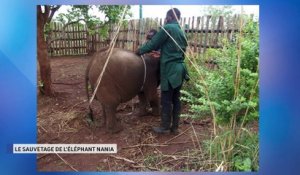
(155, 54)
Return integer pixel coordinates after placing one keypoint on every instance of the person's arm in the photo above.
(158, 39)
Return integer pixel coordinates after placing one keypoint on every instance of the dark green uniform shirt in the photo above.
(172, 68)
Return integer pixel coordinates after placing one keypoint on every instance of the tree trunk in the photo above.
(44, 62)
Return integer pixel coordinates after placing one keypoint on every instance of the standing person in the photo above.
(172, 69)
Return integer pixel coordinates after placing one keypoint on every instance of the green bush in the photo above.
(245, 153)
(241, 155)
(220, 83)
(229, 94)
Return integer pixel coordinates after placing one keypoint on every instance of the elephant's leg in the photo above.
(90, 118)
(154, 102)
(141, 111)
(104, 115)
(90, 114)
(112, 126)
(155, 107)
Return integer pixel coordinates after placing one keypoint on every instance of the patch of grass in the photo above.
(237, 153)
(152, 160)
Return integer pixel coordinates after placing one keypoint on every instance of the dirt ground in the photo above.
(62, 119)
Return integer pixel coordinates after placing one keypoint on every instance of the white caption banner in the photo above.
(64, 148)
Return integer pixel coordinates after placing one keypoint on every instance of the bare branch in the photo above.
(52, 12)
(73, 22)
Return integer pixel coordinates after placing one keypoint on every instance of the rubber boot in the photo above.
(164, 126)
(176, 111)
(175, 123)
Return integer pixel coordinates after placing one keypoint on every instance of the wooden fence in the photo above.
(202, 32)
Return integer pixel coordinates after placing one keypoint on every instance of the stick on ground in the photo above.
(177, 135)
(67, 163)
(122, 158)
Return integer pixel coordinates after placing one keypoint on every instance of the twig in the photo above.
(140, 145)
(122, 158)
(188, 159)
(168, 161)
(220, 167)
(193, 141)
(74, 106)
(66, 163)
(177, 135)
(178, 143)
(141, 152)
(176, 165)
(108, 164)
(141, 166)
(67, 83)
(179, 156)
(42, 128)
(198, 142)
(42, 156)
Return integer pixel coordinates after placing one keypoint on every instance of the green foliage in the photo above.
(250, 46)
(245, 154)
(41, 87)
(79, 14)
(231, 91)
(113, 13)
(243, 165)
(47, 29)
(241, 155)
(214, 11)
(220, 82)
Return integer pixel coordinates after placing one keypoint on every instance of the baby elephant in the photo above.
(122, 80)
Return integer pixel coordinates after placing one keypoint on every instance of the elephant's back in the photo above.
(126, 59)
(122, 78)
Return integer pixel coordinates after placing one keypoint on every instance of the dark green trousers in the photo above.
(171, 107)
